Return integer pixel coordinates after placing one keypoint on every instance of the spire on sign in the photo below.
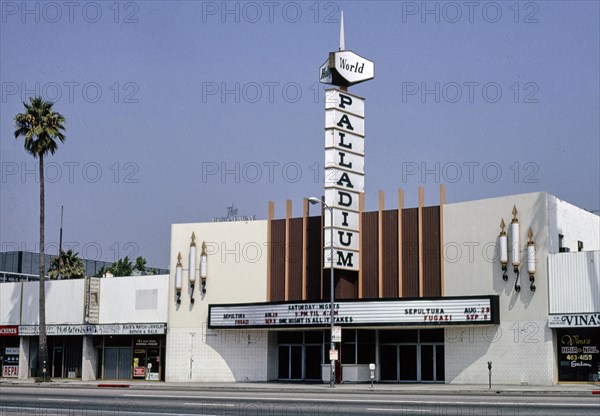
(342, 42)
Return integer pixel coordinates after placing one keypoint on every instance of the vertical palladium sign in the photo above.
(344, 175)
(344, 153)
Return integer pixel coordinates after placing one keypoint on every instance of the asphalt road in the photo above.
(33, 401)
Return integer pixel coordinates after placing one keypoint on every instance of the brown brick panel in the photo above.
(313, 272)
(410, 252)
(370, 258)
(432, 282)
(390, 253)
(294, 259)
(346, 284)
(277, 260)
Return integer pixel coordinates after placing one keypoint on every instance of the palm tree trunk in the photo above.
(43, 341)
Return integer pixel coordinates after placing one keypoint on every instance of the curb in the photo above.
(343, 389)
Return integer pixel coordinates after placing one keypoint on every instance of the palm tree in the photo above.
(41, 127)
(122, 267)
(140, 264)
(67, 265)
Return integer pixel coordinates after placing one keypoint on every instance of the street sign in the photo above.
(333, 355)
(336, 334)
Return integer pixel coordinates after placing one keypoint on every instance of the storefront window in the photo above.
(578, 354)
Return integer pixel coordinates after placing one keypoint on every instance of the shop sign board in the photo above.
(139, 372)
(96, 329)
(574, 320)
(10, 364)
(372, 312)
(9, 331)
(578, 354)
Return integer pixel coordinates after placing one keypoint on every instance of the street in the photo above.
(128, 402)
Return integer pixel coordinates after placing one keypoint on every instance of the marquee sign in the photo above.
(574, 320)
(423, 312)
(96, 329)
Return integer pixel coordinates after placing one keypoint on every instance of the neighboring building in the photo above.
(16, 266)
(98, 328)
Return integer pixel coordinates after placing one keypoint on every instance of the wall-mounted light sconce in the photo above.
(514, 235)
(178, 278)
(203, 267)
(192, 268)
(531, 260)
(503, 250)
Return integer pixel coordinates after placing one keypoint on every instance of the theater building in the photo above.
(430, 301)
(430, 294)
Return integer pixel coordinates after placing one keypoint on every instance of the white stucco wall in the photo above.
(520, 348)
(140, 299)
(574, 223)
(10, 303)
(521, 353)
(64, 302)
(471, 255)
(237, 272)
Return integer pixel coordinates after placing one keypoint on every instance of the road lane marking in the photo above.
(211, 404)
(57, 400)
(373, 401)
(381, 409)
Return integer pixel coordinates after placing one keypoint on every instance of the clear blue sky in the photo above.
(489, 98)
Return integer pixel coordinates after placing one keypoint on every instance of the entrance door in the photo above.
(118, 362)
(388, 356)
(57, 362)
(432, 363)
(125, 363)
(421, 360)
(313, 362)
(290, 362)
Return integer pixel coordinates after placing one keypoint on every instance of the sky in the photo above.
(176, 110)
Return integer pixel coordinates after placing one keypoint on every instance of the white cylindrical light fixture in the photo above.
(531, 260)
(203, 267)
(203, 263)
(503, 241)
(192, 260)
(192, 268)
(514, 238)
(178, 277)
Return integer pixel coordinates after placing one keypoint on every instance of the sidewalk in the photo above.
(580, 389)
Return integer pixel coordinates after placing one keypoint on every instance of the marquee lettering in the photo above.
(342, 242)
(345, 199)
(342, 143)
(345, 261)
(345, 99)
(345, 120)
(345, 215)
(345, 179)
(342, 163)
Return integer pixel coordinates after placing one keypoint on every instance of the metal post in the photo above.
(332, 289)
(489, 375)
(314, 200)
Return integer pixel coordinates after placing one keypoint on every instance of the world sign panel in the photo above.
(346, 68)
